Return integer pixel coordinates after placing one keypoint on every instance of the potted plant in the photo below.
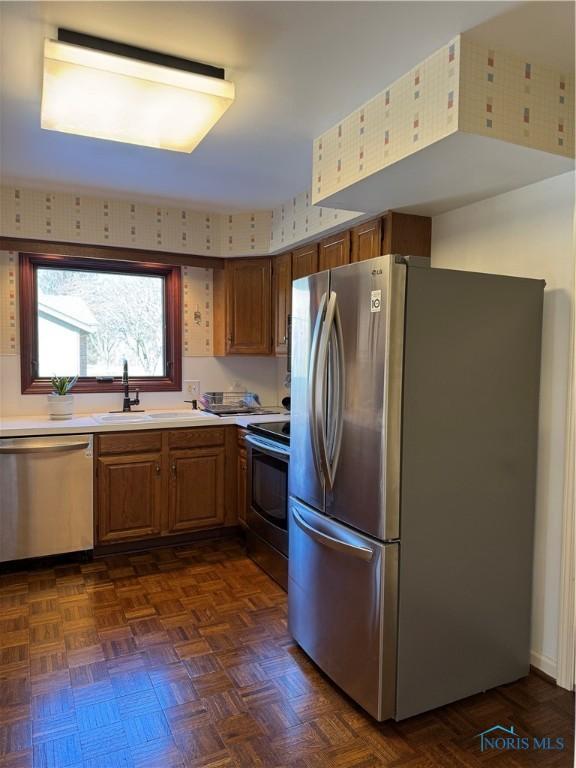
(60, 402)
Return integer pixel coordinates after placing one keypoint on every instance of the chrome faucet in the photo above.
(127, 403)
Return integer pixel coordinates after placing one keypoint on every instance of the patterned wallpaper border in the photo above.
(49, 215)
(9, 341)
(297, 220)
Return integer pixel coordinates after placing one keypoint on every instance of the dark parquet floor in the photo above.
(181, 657)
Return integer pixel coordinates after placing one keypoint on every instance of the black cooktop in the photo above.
(273, 430)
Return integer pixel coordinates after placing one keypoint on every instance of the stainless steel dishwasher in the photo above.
(45, 496)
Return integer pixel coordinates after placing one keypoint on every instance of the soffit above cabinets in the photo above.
(469, 122)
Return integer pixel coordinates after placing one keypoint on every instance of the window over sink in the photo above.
(83, 316)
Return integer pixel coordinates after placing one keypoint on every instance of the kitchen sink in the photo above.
(120, 418)
(160, 415)
(136, 418)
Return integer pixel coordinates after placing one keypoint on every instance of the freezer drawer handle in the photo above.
(364, 553)
(38, 446)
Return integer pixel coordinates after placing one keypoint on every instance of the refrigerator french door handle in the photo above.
(337, 415)
(363, 553)
(329, 457)
(320, 389)
(313, 382)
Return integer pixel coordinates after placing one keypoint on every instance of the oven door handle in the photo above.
(266, 447)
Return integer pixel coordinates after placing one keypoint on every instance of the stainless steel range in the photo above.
(268, 451)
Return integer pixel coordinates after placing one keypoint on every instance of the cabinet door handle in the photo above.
(173, 468)
(157, 469)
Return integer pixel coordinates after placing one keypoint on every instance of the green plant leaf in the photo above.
(63, 384)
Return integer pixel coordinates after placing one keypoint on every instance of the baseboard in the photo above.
(45, 561)
(544, 664)
(174, 540)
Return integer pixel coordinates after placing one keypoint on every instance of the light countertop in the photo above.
(25, 426)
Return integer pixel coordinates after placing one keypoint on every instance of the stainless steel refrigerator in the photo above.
(412, 479)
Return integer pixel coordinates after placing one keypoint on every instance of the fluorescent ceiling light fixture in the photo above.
(95, 93)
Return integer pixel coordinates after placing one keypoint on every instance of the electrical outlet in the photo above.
(192, 388)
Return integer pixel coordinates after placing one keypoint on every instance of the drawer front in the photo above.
(198, 437)
(129, 442)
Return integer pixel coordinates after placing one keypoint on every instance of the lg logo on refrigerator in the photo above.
(375, 301)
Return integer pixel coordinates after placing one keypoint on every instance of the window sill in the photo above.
(91, 386)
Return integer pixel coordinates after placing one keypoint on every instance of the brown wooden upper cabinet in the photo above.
(282, 272)
(401, 233)
(366, 240)
(304, 261)
(252, 296)
(243, 307)
(406, 234)
(334, 251)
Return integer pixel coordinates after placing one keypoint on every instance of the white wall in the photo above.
(529, 232)
(255, 374)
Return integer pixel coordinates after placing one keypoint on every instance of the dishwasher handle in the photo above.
(43, 444)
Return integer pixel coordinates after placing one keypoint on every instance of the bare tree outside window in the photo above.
(89, 321)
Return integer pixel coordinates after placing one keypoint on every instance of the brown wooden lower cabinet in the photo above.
(129, 494)
(242, 479)
(164, 482)
(197, 479)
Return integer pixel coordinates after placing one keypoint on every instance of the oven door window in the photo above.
(270, 488)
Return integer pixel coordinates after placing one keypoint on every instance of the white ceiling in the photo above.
(298, 68)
